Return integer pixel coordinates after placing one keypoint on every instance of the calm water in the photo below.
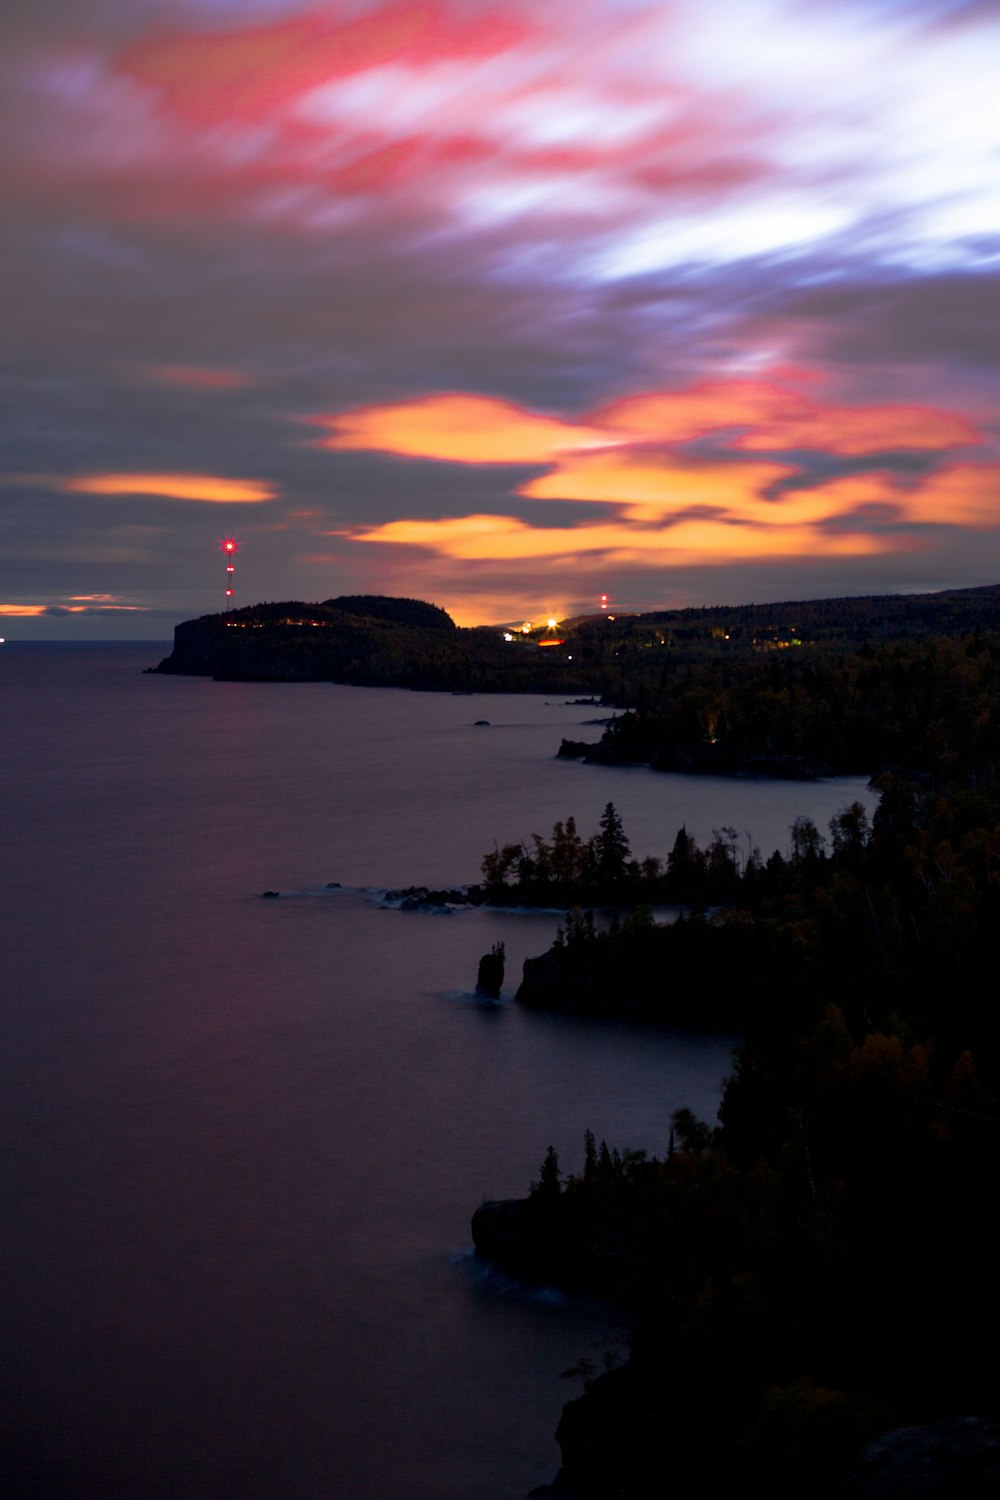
(241, 1138)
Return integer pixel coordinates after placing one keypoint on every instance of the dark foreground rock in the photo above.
(424, 898)
(957, 1460)
(572, 1244)
(679, 974)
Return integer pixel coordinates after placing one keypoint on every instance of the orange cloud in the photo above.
(662, 485)
(710, 406)
(963, 495)
(104, 603)
(674, 508)
(206, 487)
(687, 543)
(780, 419)
(854, 430)
(461, 429)
(757, 416)
(22, 611)
(960, 495)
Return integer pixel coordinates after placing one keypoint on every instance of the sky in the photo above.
(502, 304)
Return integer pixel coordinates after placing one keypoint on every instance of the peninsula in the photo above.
(796, 690)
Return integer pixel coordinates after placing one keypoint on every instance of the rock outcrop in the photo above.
(489, 981)
(936, 1461)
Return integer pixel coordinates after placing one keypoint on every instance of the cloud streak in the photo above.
(212, 489)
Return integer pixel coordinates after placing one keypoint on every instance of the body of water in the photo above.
(242, 1139)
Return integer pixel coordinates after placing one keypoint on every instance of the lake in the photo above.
(243, 1138)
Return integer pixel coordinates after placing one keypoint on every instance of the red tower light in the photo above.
(230, 546)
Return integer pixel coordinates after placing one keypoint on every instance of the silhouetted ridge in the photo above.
(398, 611)
(799, 690)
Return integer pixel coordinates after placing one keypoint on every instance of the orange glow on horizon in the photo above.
(91, 603)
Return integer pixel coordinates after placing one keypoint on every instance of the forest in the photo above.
(818, 1267)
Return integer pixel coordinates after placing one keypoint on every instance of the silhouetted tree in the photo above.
(611, 847)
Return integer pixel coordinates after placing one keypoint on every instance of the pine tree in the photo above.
(548, 1185)
(611, 847)
(589, 1156)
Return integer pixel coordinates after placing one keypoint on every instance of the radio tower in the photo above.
(230, 547)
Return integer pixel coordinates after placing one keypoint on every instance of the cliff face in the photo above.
(354, 639)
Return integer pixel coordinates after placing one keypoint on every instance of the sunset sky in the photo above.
(500, 305)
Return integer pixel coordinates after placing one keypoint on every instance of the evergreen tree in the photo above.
(548, 1185)
(611, 847)
(567, 853)
(589, 1156)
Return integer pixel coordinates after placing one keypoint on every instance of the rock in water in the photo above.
(490, 979)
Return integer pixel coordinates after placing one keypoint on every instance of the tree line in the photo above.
(819, 1266)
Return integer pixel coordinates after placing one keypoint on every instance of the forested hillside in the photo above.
(819, 1266)
(849, 685)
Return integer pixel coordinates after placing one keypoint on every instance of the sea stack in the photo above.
(490, 980)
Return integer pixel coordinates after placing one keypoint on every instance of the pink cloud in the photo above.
(198, 377)
(236, 74)
(774, 417)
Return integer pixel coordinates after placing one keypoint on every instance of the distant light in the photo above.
(507, 635)
(553, 624)
(230, 568)
(526, 627)
(229, 593)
